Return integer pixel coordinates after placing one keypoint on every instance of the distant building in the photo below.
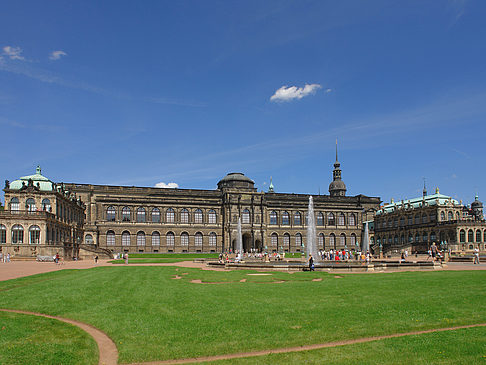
(40, 218)
(415, 224)
(143, 219)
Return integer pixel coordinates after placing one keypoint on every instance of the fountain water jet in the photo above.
(311, 246)
(239, 242)
(366, 239)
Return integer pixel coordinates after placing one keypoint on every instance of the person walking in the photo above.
(96, 259)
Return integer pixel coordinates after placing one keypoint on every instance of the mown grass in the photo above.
(147, 261)
(26, 339)
(465, 346)
(151, 316)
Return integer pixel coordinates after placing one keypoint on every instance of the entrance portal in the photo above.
(247, 244)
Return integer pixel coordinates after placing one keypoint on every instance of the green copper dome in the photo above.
(40, 181)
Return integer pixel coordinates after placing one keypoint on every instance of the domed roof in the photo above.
(236, 180)
(337, 185)
(476, 203)
(42, 182)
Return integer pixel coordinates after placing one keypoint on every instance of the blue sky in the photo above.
(140, 93)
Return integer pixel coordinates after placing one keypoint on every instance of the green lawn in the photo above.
(26, 339)
(148, 261)
(151, 316)
(187, 256)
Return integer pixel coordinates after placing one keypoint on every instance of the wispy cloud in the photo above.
(14, 53)
(163, 185)
(55, 55)
(457, 8)
(288, 93)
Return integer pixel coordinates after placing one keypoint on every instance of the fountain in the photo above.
(311, 247)
(239, 242)
(366, 239)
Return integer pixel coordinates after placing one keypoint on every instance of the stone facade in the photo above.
(415, 224)
(40, 218)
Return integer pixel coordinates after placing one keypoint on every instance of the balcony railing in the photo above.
(26, 213)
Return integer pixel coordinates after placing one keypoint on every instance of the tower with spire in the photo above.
(337, 186)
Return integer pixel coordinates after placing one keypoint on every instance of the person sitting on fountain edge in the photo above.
(311, 263)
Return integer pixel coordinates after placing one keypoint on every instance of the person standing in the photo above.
(311, 263)
(8, 257)
(476, 256)
(96, 259)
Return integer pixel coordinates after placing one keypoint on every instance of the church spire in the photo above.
(424, 192)
(337, 186)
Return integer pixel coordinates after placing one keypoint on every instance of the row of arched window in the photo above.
(29, 204)
(402, 239)
(171, 216)
(330, 243)
(321, 219)
(140, 239)
(17, 233)
(471, 235)
(62, 211)
(416, 219)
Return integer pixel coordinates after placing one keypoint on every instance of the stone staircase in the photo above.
(102, 253)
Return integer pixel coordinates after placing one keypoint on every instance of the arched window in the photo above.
(402, 239)
(484, 236)
(402, 221)
(110, 214)
(352, 219)
(450, 216)
(198, 216)
(286, 241)
(245, 217)
(378, 240)
(432, 236)
(110, 238)
(470, 236)
(471, 247)
(170, 215)
(458, 216)
(212, 239)
(342, 221)
(425, 237)
(389, 223)
(14, 205)
(198, 239)
(410, 238)
(442, 216)
(331, 221)
(298, 240)
(126, 214)
(141, 238)
(273, 217)
(184, 239)
(155, 215)
(417, 219)
(395, 222)
(320, 241)
(126, 238)
(3, 234)
(332, 241)
(462, 235)
(285, 218)
(155, 238)
(390, 239)
(140, 215)
(395, 239)
(46, 204)
(417, 237)
(212, 217)
(17, 234)
(410, 220)
(88, 239)
(297, 219)
(30, 205)
(342, 240)
(424, 218)
(274, 239)
(184, 216)
(478, 236)
(34, 235)
(170, 239)
(320, 219)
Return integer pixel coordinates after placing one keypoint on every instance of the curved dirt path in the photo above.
(303, 348)
(106, 347)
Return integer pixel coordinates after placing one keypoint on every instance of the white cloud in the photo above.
(55, 55)
(163, 185)
(13, 52)
(328, 90)
(293, 92)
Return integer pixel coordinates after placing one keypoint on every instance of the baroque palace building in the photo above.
(40, 218)
(417, 223)
(142, 219)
